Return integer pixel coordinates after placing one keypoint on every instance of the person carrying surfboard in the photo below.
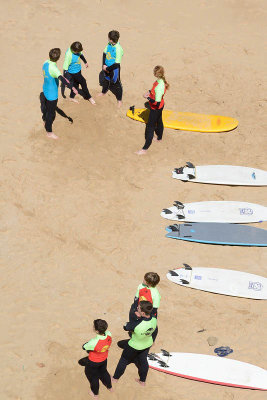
(111, 65)
(137, 348)
(72, 70)
(155, 97)
(96, 363)
(52, 76)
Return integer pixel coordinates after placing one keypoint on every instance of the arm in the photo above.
(67, 60)
(84, 60)
(130, 326)
(113, 66)
(90, 346)
(66, 82)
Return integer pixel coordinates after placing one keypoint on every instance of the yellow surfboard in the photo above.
(187, 121)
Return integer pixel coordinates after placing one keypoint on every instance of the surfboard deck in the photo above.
(216, 211)
(221, 281)
(187, 121)
(221, 175)
(218, 233)
(211, 369)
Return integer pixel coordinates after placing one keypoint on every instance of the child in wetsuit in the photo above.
(111, 62)
(137, 348)
(72, 70)
(155, 97)
(96, 365)
(147, 291)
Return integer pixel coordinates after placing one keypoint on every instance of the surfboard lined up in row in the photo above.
(221, 175)
(216, 211)
(218, 233)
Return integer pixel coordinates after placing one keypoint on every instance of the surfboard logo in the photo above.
(198, 277)
(253, 175)
(255, 286)
(191, 211)
(245, 211)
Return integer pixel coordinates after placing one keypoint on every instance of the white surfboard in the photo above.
(216, 211)
(221, 281)
(221, 175)
(211, 369)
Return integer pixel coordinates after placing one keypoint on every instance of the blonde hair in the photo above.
(159, 73)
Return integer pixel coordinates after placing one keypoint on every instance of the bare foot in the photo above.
(101, 94)
(111, 390)
(51, 135)
(140, 152)
(95, 396)
(92, 101)
(114, 380)
(119, 104)
(140, 382)
(157, 140)
(74, 100)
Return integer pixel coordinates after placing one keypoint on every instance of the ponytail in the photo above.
(159, 73)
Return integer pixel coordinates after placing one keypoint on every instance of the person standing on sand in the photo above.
(72, 70)
(96, 364)
(155, 97)
(52, 76)
(111, 65)
(137, 348)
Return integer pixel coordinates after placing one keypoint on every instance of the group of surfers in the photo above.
(109, 79)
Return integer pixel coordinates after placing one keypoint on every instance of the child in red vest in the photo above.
(96, 365)
(147, 291)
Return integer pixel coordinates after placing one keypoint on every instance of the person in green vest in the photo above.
(137, 348)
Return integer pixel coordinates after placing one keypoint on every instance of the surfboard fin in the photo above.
(165, 353)
(173, 273)
(152, 357)
(132, 109)
(166, 211)
(189, 164)
(184, 282)
(186, 266)
(178, 204)
(174, 228)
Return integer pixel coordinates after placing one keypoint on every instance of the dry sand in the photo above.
(80, 221)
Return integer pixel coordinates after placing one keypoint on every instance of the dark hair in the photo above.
(54, 54)
(152, 278)
(76, 47)
(146, 307)
(114, 36)
(100, 326)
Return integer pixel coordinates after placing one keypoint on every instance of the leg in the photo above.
(50, 117)
(116, 89)
(142, 365)
(105, 86)
(43, 105)
(91, 372)
(75, 84)
(150, 127)
(128, 355)
(82, 82)
(104, 375)
(159, 127)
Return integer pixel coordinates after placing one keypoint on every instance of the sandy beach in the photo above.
(80, 217)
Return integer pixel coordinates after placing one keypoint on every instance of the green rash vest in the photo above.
(159, 90)
(154, 294)
(142, 335)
